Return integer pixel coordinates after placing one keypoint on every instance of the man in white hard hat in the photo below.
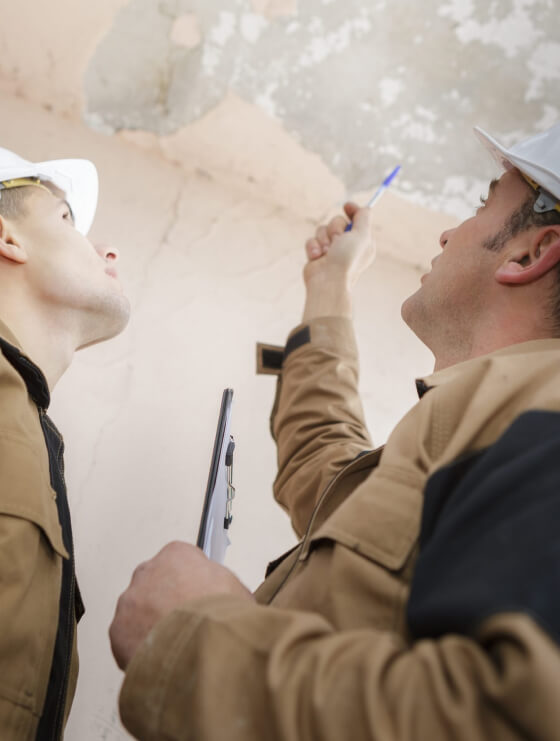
(59, 292)
(423, 601)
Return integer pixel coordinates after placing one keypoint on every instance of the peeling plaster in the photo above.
(252, 25)
(275, 8)
(224, 29)
(323, 45)
(544, 65)
(297, 179)
(513, 31)
(364, 86)
(186, 31)
(389, 89)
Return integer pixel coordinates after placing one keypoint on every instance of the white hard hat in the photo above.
(538, 158)
(76, 178)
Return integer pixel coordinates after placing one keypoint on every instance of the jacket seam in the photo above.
(27, 705)
(168, 665)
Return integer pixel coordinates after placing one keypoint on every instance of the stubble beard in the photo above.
(416, 315)
(106, 319)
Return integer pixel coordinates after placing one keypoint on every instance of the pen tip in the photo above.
(392, 176)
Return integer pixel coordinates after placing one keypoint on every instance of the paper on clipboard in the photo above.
(213, 533)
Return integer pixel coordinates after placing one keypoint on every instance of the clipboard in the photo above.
(213, 532)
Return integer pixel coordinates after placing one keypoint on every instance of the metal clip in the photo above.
(230, 487)
(545, 202)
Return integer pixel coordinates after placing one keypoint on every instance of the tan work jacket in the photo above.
(422, 602)
(32, 551)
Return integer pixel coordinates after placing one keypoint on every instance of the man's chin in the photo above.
(413, 314)
(113, 324)
(407, 310)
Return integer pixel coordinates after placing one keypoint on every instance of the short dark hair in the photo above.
(521, 220)
(12, 201)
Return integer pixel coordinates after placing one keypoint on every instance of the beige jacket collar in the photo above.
(448, 375)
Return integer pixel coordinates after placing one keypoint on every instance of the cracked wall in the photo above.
(222, 133)
(363, 85)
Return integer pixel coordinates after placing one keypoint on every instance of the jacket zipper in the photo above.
(61, 702)
(71, 606)
(68, 660)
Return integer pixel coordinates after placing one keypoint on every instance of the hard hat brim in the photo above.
(508, 159)
(77, 178)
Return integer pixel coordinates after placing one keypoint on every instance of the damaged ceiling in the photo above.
(363, 85)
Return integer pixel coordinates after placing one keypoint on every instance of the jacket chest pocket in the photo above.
(26, 491)
(380, 520)
(370, 540)
(31, 555)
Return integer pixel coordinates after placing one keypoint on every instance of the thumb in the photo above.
(350, 209)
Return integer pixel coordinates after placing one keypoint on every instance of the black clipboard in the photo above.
(213, 531)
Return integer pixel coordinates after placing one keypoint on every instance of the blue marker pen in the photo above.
(379, 192)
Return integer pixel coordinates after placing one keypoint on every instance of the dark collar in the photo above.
(32, 375)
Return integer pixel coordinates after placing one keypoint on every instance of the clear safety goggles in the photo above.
(546, 201)
(21, 183)
(24, 183)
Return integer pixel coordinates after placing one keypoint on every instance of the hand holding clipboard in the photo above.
(216, 513)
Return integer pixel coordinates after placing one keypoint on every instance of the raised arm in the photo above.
(318, 421)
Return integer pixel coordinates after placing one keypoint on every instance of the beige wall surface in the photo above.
(210, 267)
(223, 133)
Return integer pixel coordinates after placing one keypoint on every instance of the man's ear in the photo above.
(10, 248)
(532, 260)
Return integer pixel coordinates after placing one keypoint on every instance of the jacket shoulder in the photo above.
(489, 537)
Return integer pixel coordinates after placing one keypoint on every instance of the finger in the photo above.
(322, 236)
(180, 547)
(350, 209)
(138, 571)
(313, 249)
(118, 653)
(337, 226)
(114, 640)
(362, 220)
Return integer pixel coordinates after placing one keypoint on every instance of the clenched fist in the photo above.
(336, 260)
(180, 572)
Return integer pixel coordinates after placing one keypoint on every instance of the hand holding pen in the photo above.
(335, 262)
(379, 192)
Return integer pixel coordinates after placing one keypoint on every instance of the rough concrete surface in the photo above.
(364, 85)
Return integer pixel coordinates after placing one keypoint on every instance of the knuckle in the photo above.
(139, 570)
(120, 608)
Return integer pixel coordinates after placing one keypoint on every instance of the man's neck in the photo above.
(49, 348)
(489, 342)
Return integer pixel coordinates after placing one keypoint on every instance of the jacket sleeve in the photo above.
(484, 617)
(318, 421)
(230, 671)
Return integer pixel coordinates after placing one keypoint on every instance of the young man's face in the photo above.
(458, 290)
(66, 272)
